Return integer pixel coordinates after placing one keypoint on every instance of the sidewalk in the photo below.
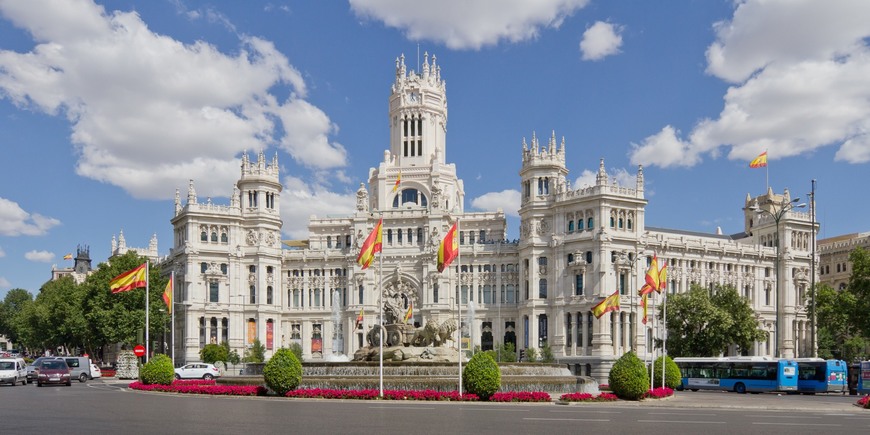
(767, 402)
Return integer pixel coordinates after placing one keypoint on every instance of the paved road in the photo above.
(98, 407)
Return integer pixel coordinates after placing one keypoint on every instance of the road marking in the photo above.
(679, 413)
(399, 407)
(565, 419)
(497, 409)
(590, 411)
(795, 424)
(681, 421)
(781, 416)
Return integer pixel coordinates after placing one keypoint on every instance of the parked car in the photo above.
(95, 371)
(197, 371)
(13, 371)
(53, 371)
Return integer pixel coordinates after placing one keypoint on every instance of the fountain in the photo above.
(337, 333)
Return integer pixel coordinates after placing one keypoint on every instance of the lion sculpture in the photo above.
(426, 335)
(446, 330)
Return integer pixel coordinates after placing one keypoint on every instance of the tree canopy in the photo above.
(704, 324)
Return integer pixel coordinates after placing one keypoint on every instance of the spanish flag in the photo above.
(652, 276)
(449, 248)
(663, 277)
(643, 304)
(371, 246)
(67, 257)
(167, 294)
(760, 161)
(359, 319)
(129, 280)
(610, 303)
(398, 180)
(409, 313)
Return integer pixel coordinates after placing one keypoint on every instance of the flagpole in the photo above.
(652, 356)
(381, 322)
(147, 337)
(459, 302)
(172, 315)
(664, 333)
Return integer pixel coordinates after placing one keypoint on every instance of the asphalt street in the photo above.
(107, 406)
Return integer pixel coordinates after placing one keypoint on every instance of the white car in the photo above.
(95, 371)
(197, 371)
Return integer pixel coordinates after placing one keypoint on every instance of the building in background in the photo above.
(81, 268)
(834, 264)
(236, 281)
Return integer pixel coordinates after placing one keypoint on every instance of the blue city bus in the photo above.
(863, 383)
(816, 375)
(738, 374)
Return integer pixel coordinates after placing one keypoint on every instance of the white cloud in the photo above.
(799, 69)
(144, 108)
(317, 201)
(4, 283)
(600, 40)
(2, 252)
(468, 24)
(40, 256)
(506, 200)
(14, 221)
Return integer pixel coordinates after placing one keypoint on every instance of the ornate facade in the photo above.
(236, 281)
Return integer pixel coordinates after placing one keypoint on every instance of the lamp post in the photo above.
(777, 210)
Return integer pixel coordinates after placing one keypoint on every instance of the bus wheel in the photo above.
(694, 389)
(740, 388)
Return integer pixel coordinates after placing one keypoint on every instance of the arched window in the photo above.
(620, 223)
(590, 224)
(580, 224)
(269, 295)
(571, 226)
(214, 237)
(629, 224)
(203, 236)
(224, 238)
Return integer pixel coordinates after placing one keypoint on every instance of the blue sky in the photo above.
(107, 107)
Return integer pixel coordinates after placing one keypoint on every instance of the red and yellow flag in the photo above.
(398, 180)
(760, 161)
(359, 318)
(663, 277)
(610, 303)
(67, 257)
(449, 248)
(652, 274)
(167, 294)
(643, 304)
(372, 246)
(129, 280)
(409, 313)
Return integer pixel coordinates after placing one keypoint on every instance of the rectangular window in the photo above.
(213, 292)
(578, 284)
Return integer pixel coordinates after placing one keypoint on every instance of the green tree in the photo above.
(283, 372)
(213, 353)
(256, 353)
(11, 308)
(859, 287)
(296, 348)
(481, 376)
(628, 377)
(531, 355)
(547, 354)
(703, 325)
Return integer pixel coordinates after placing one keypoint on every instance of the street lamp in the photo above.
(777, 210)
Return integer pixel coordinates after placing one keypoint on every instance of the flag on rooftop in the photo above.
(760, 161)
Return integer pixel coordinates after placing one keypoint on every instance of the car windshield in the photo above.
(6, 365)
(53, 365)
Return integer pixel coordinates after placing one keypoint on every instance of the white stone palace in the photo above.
(236, 280)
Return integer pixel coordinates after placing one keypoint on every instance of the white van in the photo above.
(13, 371)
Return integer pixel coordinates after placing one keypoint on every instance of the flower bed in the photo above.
(520, 396)
(659, 393)
(586, 397)
(202, 387)
(864, 402)
(372, 394)
(107, 373)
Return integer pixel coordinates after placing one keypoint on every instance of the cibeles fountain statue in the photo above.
(401, 340)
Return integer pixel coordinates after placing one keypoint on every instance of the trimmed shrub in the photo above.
(283, 372)
(481, 376)
(547, 354)
(531, 355)
(158, 370)
(628, 378)
(296, 348)
(673, 377)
